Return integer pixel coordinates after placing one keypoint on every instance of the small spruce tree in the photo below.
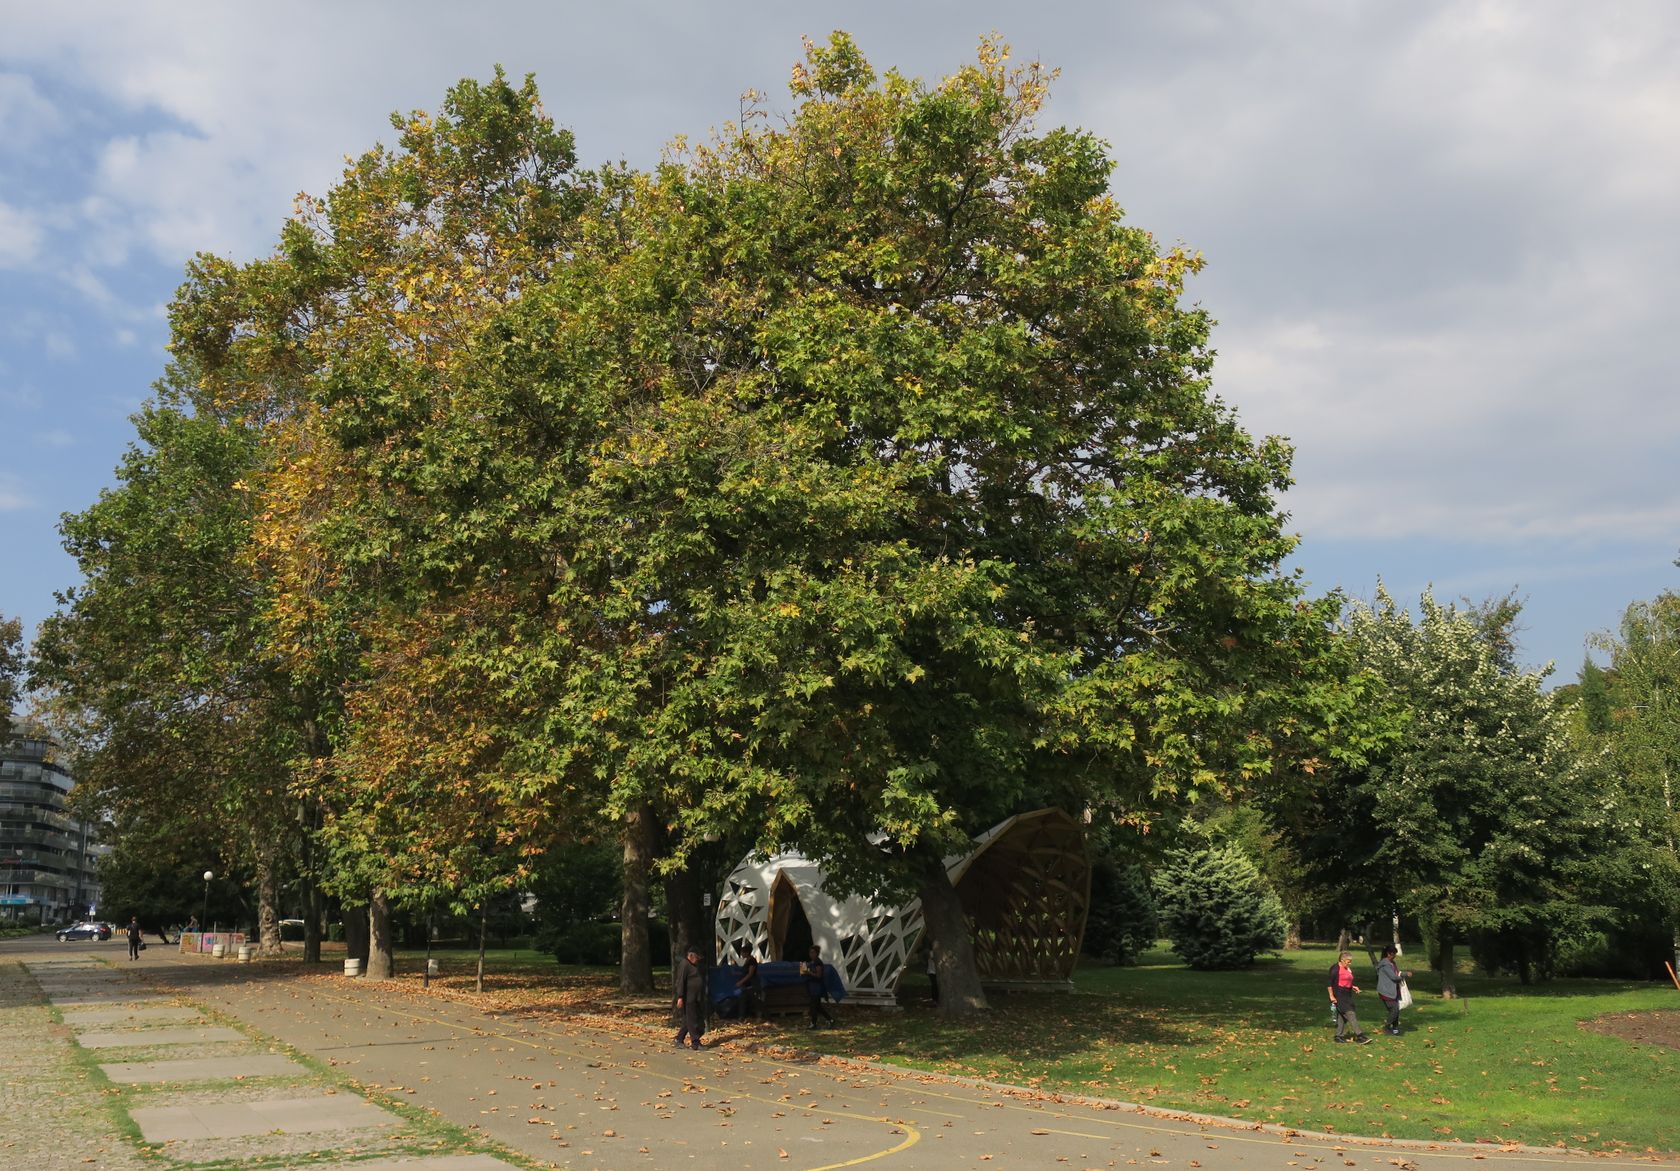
(1216, 909)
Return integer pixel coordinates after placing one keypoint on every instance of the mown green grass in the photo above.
(1503, 1064)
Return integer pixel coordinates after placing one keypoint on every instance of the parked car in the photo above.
(85, 931)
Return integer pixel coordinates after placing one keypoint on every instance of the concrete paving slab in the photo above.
(429, 1163)
(131, 1037)
(208, 1120)
(84, 1018)
(101, 999)
(203, 1069)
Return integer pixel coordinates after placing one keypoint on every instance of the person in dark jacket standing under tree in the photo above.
(690, 984)
(134, 944)
(816, 985)
(1342, 992)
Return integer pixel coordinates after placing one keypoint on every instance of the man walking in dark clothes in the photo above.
(134, 944)
(690, 984)
(816, 985)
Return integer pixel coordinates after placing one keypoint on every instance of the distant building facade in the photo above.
(48, 869)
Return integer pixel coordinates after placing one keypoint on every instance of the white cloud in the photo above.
(20, 237)
(12, 496)
(21, 398)
(25, 112)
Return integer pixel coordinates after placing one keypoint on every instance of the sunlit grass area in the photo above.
(1501, 1064)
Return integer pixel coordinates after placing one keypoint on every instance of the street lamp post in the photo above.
(204, 922)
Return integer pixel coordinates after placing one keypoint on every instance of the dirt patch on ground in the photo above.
(1642, 1028)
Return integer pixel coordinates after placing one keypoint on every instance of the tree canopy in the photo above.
(850, 482)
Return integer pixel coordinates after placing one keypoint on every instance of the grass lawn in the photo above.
(1502, 1064)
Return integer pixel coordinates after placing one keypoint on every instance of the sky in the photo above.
(1442, 239)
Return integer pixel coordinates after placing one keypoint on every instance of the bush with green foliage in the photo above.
(1216, 909)
(1122, 922)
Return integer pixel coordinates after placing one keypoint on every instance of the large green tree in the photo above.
(868, 469)
(11, 663)
(155, 664)
(1478, 818)
(1637, 706)
(377, 289)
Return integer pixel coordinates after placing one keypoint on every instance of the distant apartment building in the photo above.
(47, 861)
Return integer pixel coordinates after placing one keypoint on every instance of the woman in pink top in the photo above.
(1342, 992)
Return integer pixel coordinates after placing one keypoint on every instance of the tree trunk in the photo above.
(314, 911)
(635, 965)
(1449, 967)
(960, 992)
(1292, 937)
(382, 961)
(689, 924)
(268, 894)
(483, 927)
(355, 919)
(1344, 941)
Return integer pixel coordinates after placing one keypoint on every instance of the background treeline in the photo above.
(848, 483)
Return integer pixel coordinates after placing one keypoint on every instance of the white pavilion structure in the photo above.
(1025, 887)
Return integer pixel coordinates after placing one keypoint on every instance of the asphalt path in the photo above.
(588, 1097)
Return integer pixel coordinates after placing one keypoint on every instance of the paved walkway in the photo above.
(573, 1096)
(130, 1061)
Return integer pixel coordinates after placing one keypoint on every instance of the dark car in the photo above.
(85, 931)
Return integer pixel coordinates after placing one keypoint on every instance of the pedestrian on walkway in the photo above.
(747, 985)
(1389, 981)
(1342, 992)
(816, 985)
(690, 985)
(134, 944)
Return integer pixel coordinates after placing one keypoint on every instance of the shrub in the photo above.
(598, 943)
(1216, 909)
(1122, 922)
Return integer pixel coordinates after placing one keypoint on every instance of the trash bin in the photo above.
(352, 967)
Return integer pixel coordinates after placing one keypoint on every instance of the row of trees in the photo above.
(850, 476)
(849, 482)
(1538, 829)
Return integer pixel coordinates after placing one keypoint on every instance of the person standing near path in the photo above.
(690, 984)
(747, 985)
(133, 938)
(1389, 979)
(1342, 992)
(816, 985)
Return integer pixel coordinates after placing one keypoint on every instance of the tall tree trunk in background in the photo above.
(960, 992)
(483, 927)
(382, 960)
(313, 912)
(1292, 937)
(689, 925)
(635, 965)
(355, 919)
(1449, 966)
(1344, 941)
(309, 821)
(1371, 950)
(268, 895)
